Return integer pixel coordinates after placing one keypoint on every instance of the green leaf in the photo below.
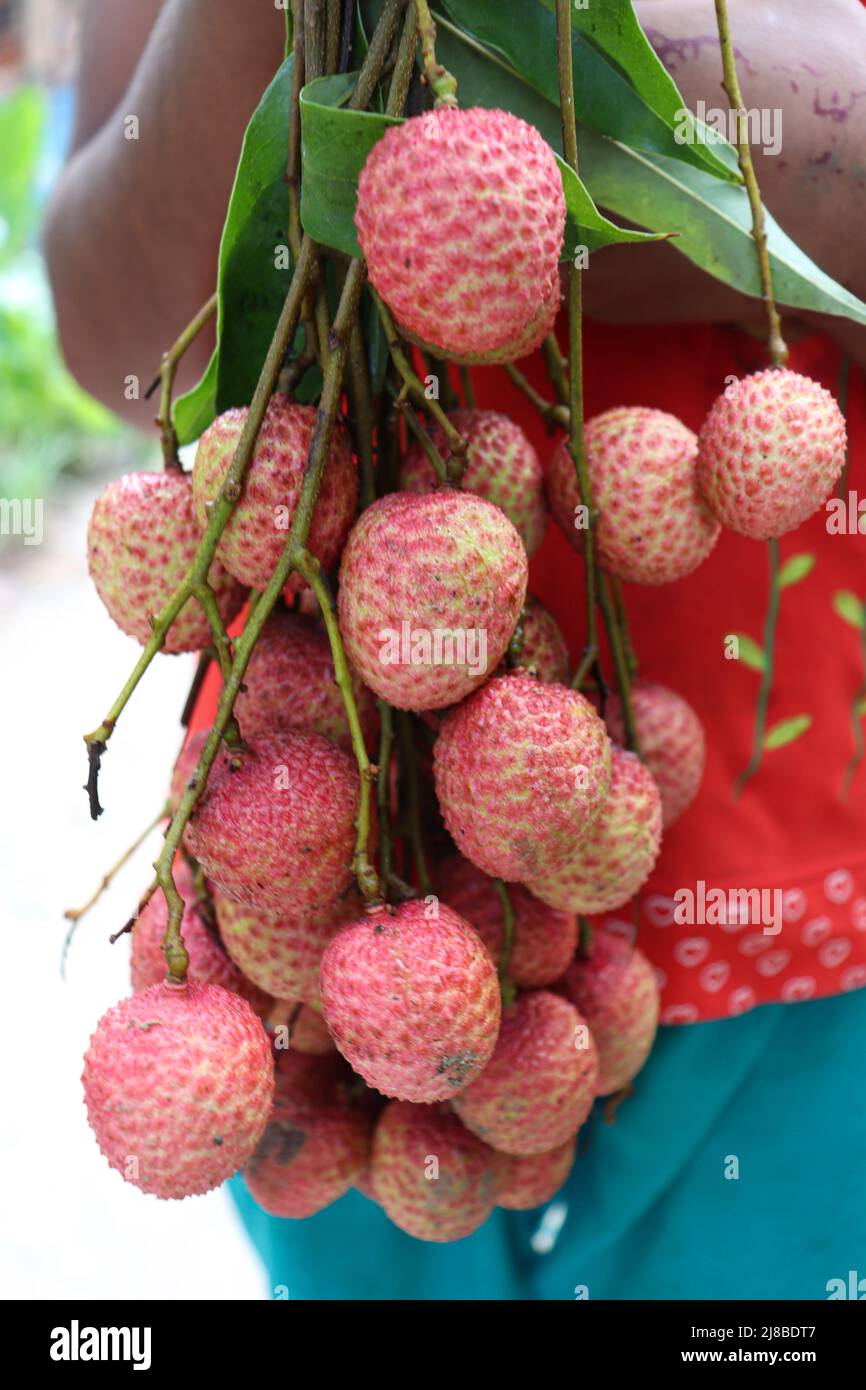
(787, 731)
(795, 569)
(750, 653)
(195, 411)
(849, 607)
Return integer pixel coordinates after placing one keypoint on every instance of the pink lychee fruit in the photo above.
(501, 465)
(411, 998)
(257, 531)
(316, 1142)
(532, 1180)
(607, 868)
(615, 989)
(289, 684)
(539, 1085)
(653, 524)
(467, 256)
(770, 452)
(435, 1180)
(544, 940)
(274, 827)
(141, 541)
(279, 952)
(522, 771)
(178, 1083)
(431, 586)
(671, 739)
(544, 650)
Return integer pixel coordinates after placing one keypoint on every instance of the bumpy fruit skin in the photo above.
(538, 1087)
(316, 1143)
(178, 1083)
(531, 1181)
(769, 452)
(411, 1001)
(289, 684)
(671, 739)
(208, 962)
(279, 953)
(254, 539)
(544, 648)
(609, 866)
(415, 566)
(501, 465)
(467, 255)
(141, 541)
(274, 827)
(616, 991)
(442, 1207)
(654, 526)
(522, 771)
(544, 940)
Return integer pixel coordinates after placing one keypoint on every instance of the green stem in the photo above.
(468, 388)
(167, 374)
(620, 664)
(557, 367)
(584, 945)
(439, 79)
(622, 619)
(551, 413)
(437, 462)
(293, 166)
(767, 673)
(409, 761)
(506, 986)
(383, 788)
(360, 399)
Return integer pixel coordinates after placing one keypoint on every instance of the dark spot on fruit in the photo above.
(378, 929)
(218, 1140)
(458, 1067)
(280, 1142)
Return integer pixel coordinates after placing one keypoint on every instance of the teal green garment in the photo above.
(649, 1212)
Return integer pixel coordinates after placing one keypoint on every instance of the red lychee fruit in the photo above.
(289, 684)
(257, 531)
(607, 868)
(531, 1181)
(501, 465)
(615, 989)
(411, 998)
(467, 256)
(316, 1142)
(544, 940)
(653, 525)
(178, 1083)
(281, 953)
(274, 827)
(538, 1087)
(522, 771)
(141, 541)
(208, 962)
(671, 739)
(431, 586)
(435, 1180)
(770, 452)
(544, 650)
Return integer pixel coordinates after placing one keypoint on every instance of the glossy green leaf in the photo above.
(849, 607)
(750, 653)
(787, 731)
(795, 569)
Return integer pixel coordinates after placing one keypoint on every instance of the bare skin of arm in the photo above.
(133, 230)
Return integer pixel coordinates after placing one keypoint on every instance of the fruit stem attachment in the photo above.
(767, 672)
(550, 412)
(168, 372)
(776, 346)
(620, 662)
(440, 81)
(506, 987)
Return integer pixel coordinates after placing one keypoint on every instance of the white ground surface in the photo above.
(69, 1226)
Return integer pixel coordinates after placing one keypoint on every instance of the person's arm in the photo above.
(133, 229)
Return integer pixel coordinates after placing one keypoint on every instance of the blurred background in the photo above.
(69, 1226)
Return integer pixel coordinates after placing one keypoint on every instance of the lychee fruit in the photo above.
(274, 827)
(501, 465)
(208, 962)
(544, 940)
(431, 586)
(467, 256)
(530, 1181)
(769, 453)
(316, 1142)
(411, 998)
(141, 541)
(671, 740)
(289, 684)
(539, 1085)
(653, 524)
(544, 650)
(178, 1083)
(255, 537)
(522, 771)
(607, 868)
(281, 953)
(615, 989)
(434, 1179)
